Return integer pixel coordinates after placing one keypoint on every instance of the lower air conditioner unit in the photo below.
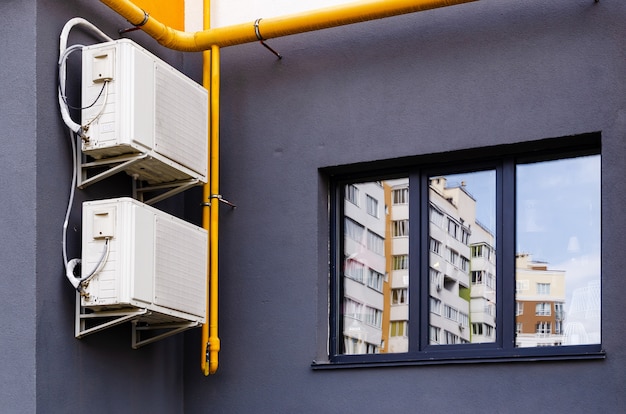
(142, 265)
(138, 108)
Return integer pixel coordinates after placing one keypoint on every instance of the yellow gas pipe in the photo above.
(210, 340)
(213, 39)
(268, 28)
(211, 81)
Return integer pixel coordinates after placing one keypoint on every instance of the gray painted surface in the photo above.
(480, 74)
(44, 368)
(18, 188)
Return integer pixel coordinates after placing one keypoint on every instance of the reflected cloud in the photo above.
(573, 245)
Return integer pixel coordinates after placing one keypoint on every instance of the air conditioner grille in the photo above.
(178, 134)
(178, 254)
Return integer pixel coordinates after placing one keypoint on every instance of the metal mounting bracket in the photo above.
(165, 329)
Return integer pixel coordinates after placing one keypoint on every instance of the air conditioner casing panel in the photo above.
(143, 105)
(155, 261)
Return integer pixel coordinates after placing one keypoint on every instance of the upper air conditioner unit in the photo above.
(142, 114)
(140, 264)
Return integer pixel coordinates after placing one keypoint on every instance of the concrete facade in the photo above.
(465, 77)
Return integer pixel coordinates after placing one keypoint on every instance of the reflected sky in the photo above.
(558, 213)
(558, 217)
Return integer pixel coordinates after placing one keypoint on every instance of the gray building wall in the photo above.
(18, 189)
(480, 74)
(485, 73)
(44, 368)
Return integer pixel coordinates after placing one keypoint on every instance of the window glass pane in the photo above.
(558, 252)
(375, 268)
(462, 261)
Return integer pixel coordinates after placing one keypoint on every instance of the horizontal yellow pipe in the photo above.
(272, 27)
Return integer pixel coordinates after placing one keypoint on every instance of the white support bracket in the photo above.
(111, 165)
(144, 332)
(131, 164)
(175, 188)
(102, 320)
(166, 330)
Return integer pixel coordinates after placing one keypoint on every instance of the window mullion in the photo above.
(418, 310)
(337, 248)
(505, 251)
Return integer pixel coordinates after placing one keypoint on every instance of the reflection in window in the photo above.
(463, 202)
(401, 262)
(399, 296)
(558, 258)
(352, 194)
(375, 271)
(401, 195)
(520, 272)
(399, 328)
(400, 228)
(372, 206)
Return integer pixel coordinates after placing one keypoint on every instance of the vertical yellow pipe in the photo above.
(214, 341)
(206, 217)
(210, 79)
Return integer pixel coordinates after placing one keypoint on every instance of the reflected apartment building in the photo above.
(461, 268)
(376, 268)
(539, 303)
(365, 267)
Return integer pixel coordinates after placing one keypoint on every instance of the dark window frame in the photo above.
(503, 159)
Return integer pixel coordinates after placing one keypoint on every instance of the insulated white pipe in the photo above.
(76, 21)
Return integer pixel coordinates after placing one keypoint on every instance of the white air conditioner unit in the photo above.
(150, 268)
(143, 115)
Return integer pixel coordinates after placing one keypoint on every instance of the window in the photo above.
(401, 262)
(375, 280)
(352, 194)
(543, 309)
(453, 228)
(400, 228)
(354, 230)
(353, 309)
(435, 306)
(435, 334)
(400, 195)
(544, 328)
(558, 311)
(398, 328)
(453, 257)
(375, 243)
(354, 270)
(450, 313)
(435, 246)
(372, 206)
(373, 316)
(543, 288)
(436, 216)
(464, 262)
(486, 241)
(399, 296)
